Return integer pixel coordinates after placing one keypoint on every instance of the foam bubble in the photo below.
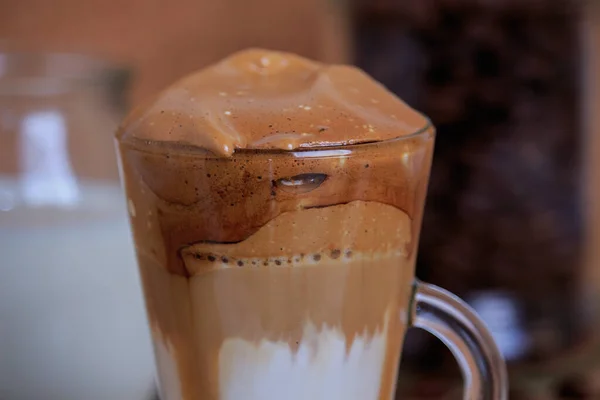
(198, 263)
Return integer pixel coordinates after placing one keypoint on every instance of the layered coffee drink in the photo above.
(276, 204)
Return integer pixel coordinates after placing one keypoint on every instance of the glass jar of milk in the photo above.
(72, 323)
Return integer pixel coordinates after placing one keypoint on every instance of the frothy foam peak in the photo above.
(264, 99)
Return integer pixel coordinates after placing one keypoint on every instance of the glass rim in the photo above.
(151, 146)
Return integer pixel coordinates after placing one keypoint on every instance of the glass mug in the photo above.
(278, 274)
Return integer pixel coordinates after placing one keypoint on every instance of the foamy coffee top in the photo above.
(261, 99)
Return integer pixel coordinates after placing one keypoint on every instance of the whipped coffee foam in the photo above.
(263, 99)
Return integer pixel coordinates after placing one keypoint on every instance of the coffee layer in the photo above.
(264, 99)
(342, 232)
(359, 297)
(181, 195)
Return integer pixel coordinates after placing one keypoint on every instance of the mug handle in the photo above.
(451, 320)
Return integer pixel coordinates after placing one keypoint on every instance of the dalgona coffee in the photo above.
(275, 205)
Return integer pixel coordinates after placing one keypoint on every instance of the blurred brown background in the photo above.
(162, 40)
(591, 128)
